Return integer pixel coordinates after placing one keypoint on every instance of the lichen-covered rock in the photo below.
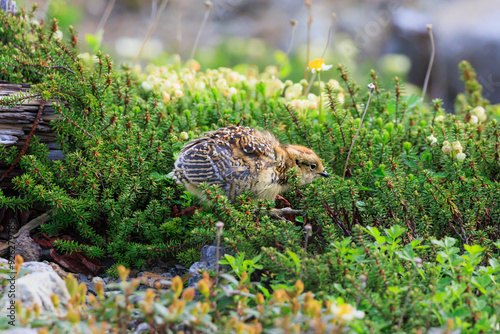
(37, 287)
(6, 140)
(37, 267)
(208, 261)
(27, 248)
(8, 6)
(142, 328)
(209, 255)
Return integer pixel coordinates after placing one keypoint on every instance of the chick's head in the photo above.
(306, 162)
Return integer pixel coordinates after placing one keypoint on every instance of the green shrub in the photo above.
(226, 308)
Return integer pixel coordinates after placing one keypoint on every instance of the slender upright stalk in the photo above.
(320, 107)
(329, 34)
(309, 22)
(105, 16)
(179, 30)
(371, 87)
(151, 29)
(293, 23)
(310, 84)
(208, 7)
(219, 226)
(431, 61)
(308, 229)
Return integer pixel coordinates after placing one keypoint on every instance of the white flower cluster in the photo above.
(478, 115)
(171, 83)
(432, 139)
(439, 118)
(456, 148)
(301, 104)
(293, 92)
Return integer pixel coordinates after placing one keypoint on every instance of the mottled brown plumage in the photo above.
(239, 159)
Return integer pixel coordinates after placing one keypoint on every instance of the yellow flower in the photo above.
(318, 65)
(347, 312)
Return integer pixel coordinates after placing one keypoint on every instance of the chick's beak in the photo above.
(325, 174)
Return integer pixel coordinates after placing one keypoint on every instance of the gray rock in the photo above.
(7, 140)
(209, 255)
(198, 266)
(8, 6)
(98, 279)
(46, 255)
(208, 261)
(168, 275)
(108, 279)
(90, 282)
(27, 248)
(195, 270)
(142, 328)
(37, 267)
(37, 287)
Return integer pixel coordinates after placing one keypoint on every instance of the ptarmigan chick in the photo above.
(239, 159)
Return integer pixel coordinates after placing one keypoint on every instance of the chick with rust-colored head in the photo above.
(239, 159)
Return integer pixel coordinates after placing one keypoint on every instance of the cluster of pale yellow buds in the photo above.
(479, 113)
(432, 139)
(446, 147)
(234, 77)
(439, 118)
(161, 84)
(456, 148)
(178, 93)
(293, 92)
(230, 92)
(274, 86)
(301, 104)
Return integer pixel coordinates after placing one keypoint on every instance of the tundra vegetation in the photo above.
(401, 238)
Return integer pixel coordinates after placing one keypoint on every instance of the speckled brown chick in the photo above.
(239, 159)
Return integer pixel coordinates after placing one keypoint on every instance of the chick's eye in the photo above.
(313, 166)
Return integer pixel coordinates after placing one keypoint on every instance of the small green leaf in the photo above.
(94, 41)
